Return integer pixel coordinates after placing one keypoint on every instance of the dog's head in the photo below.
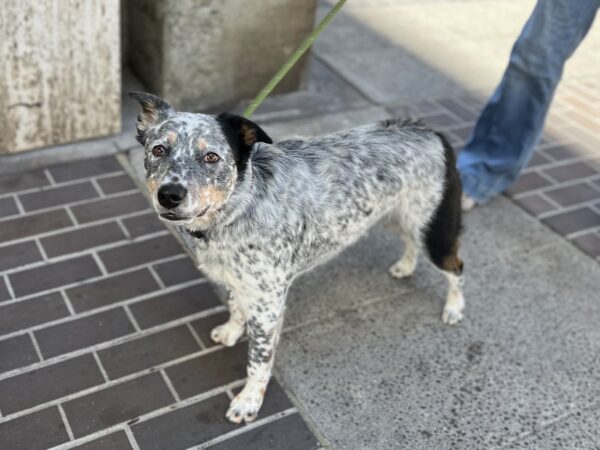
(193, 161)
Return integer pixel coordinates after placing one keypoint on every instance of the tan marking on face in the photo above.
(211, 196)
(171, 137)
(152, 185)
(202, 144)
(249, 135)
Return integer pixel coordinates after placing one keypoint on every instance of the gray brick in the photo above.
(562, 152)
(84, 332)
(17, 352)
(589, 243)
(148, 351)
(178, 271)
(113, 441)
(204, 326)
(571, 195)
(535, 204)
(569, 172)
(109, 207)
(209, 371)
(58, 196)
(118, 183)
(174, 305)
(112, 289)
(54, 275)
(290, 432)
(440, 120)
(16, 255)
(115, 404)
(85, 169)
(48, 383)
(185, 427)
(143, 224)
(8, 207)
(572, 221)
(138, 253)
(36, 431)
(22, 181)
(538, 159)
(4, 294)
(528, 182)
(466, 114)
(33, 224)
(82, 239)
(28, 313)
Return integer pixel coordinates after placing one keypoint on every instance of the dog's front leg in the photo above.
(229, 332)
(263, 326)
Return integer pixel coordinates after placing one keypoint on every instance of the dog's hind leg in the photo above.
(229, 332)
(406, 265)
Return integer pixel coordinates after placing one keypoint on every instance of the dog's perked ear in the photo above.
(154, 110)
(241, 135)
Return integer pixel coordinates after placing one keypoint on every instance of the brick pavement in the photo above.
(104, 326)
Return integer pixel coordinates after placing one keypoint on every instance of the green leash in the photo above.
(293, 60)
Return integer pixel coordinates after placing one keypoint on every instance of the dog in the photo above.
(259, 214)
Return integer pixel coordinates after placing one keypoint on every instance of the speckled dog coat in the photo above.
(259, 214)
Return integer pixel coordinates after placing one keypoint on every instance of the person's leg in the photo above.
(511, 123)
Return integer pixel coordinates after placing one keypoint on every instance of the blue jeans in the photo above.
(511, 123)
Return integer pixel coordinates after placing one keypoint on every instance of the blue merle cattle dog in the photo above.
(259, 214)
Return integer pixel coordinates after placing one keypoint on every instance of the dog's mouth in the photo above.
(174, 217)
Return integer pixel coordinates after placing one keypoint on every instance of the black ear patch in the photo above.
(241, 134)
(154, 110)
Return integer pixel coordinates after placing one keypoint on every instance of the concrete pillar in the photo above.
(60, 79)
(203, 54)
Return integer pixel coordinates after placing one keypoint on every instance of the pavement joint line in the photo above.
(49, 176)
(114, 196)
(99, 262)
(195, 335)
(229, 393)
(156, 277)
(555, 164)
(121, 380)
(580, 233)
(117, 341)
(151, 415)
(554, 186)
(170, 386)
(36, 346)
(19, 204)
(88, 251)
(123, 228)
(68, 303)
(131, 438)
(10, 290)
(131, 317)
(101, 367)
(565, 209)
(50, 186)
(65, 421)
(41, 250)
(97, 188)
(74, 227)
(72, 218)
(103, 277)
(245, 428)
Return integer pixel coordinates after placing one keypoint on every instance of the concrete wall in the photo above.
(201, 54)
(61, 74)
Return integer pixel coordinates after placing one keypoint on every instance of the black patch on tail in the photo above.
(442, 235)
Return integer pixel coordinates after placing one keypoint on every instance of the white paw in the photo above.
(402, 269)
(227, 334)
(245, 406)
(451, 316)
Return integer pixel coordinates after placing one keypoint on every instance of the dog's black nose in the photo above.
(171, 195)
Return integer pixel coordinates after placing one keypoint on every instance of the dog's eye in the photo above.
(158, 151)
(211, 158)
